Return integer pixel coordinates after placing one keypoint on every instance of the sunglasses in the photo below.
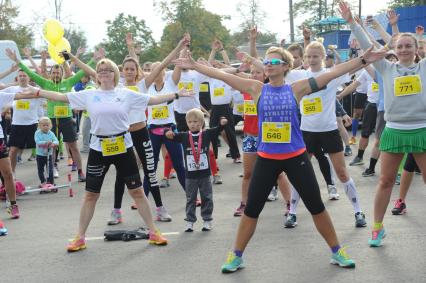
(274, 62)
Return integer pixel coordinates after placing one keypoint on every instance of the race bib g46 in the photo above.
(189, 86)
(160, 112)
(312, 106)
(276, 132)
(250, 108)
(407, 85)
(219, 91)
(113, 146)
(61, 111)
(22, 105)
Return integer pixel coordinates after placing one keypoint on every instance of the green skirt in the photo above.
(403, 141)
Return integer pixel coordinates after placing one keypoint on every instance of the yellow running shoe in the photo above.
(156, 238)
(76, 244)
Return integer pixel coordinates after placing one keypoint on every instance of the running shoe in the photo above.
(237, 160)
(31, 158)
(356, 161)
(70, 162)
(368, 173)
(332, 192)
(74, 167)
(61, 155)
(156, 238)
(240, 210)
(55, 172)
(13, 210)
(217, 179)
(377, 237)
(164, 183)
(162, 214)
(352, 140)
(290, 221)
(77, 244)
(116, 217)
(342, 259)
(228, 155)
(81, 177)
(360, 220)
(399, 208)
(3, 229)
(173, 174)
(273, 195)
(348, 151)
(232, 264)
(398, 179)
(207, 226)
(19, 160)
(189, 226)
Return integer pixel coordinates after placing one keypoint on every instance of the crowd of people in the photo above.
(289, 102)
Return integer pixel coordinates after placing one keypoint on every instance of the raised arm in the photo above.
(79, 52)
(393, 18)
(252, 39)
(12, 69)
(43, 64)
(306, 36)
(244, 85)
(130, 46)
(27, 52)
(349, 89)
(67, 70)
(86, 68)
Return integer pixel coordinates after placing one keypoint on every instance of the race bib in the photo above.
(61, 111)
(160, 112)
(374, 87)
(113, 146)
(219, 91)
(276, 132)
(22, 105)
(250, 108)
(192, 166)
(312, 106)
(240, 108)
(204, 87)
(189, 86)
(407, 85)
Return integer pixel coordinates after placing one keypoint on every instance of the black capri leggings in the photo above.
(301, 175)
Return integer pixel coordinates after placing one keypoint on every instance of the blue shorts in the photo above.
(250, 144)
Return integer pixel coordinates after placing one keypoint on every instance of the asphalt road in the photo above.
(34, 250)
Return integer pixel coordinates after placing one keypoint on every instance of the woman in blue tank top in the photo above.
(280, 144)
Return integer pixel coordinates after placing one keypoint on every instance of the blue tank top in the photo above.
(277, 104)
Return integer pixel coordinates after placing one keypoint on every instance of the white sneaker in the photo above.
(217, 179)
(55, 172)
(332, 192)
(273, 195)
(189, 227)
(116, 217)
(162, 214)
(164, 183)
(207, 226)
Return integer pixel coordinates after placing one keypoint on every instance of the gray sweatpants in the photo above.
(86, 133)
(191, 189)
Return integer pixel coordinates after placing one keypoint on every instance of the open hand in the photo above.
(345, 11)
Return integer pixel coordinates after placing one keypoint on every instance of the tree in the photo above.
(76, 38)
(9, 29)
(190, 16)
(115, 44)
(241, 38)
(406, 3)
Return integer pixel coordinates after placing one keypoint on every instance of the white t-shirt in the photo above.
(138, 115)
(191, 80)
(220, 92)
(163, 113)
(294, 76)
(319, 109)
(5, 100)
(109, 111)
(238, 103)
(25, 111)
(373, 87)
(362, 88)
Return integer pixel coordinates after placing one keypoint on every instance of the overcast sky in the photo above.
(90, 15)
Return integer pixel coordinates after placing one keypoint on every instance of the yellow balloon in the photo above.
(55, 49)
(53, 31)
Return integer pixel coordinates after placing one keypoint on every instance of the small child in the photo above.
(196, 145)
(46, 141)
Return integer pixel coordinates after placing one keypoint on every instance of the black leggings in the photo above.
(143, 147)
(219, 111)
(324, 166)
(301, 175)
(410, 164)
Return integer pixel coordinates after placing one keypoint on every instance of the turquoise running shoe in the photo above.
(342, 259)
(377, 237)
(3, 229)
(232, 264)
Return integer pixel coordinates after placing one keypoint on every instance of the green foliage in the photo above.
(115, 43)
(190, 16)
(76, 38)
(405, 3)
(10, 29)
(241, 38)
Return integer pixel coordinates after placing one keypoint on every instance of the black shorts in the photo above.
(360, 100)
(237, 119)
(329, 142)
(369, 120)
(65, 126)
(181, 122)
(22, 136)
(4, 152)
(98, 165)
(410, 164)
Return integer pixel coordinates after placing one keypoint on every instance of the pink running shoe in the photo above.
(13, 210)
(77, 244)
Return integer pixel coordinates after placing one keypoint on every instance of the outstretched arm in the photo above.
(12, 69)
(33, 92)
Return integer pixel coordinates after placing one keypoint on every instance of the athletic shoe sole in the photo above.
(335, 262)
